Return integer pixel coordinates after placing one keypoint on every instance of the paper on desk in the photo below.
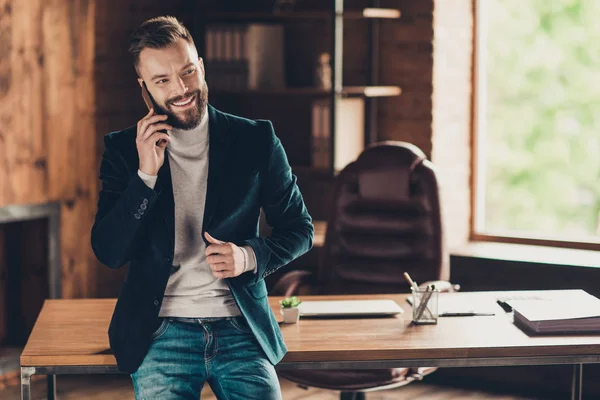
(575, 305)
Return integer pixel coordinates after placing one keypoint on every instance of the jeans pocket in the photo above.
(162, 328)
(240, 324)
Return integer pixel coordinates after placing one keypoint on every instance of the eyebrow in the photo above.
(190, 64)
(186, 66)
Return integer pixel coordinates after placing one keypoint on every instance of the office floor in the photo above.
(118, 387)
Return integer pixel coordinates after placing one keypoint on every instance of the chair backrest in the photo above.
(385, 220)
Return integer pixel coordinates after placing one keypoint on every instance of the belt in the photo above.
(199, 319)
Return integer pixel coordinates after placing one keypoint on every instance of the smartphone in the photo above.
(148, 100)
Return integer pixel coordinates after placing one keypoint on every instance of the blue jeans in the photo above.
(186, 352)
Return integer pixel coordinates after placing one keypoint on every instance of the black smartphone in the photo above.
(149, 103)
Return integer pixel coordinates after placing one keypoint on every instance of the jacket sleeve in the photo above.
(284, 209)
(123, 203)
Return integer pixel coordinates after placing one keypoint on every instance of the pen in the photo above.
(465, 314)
(412, 283)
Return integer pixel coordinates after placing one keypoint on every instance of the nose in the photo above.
(180, 87)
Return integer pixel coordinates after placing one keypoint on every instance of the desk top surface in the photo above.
(74, 332)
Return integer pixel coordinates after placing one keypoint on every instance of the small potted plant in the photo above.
(290, 310)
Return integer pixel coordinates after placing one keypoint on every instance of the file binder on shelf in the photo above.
(349, 135)
(245, 56)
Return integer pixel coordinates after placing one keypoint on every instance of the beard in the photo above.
(188, 119)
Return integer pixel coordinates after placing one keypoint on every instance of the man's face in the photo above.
(175, 79)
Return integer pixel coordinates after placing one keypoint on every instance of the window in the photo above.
(537, 122)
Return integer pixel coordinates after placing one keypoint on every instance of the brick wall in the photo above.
(428, 53)
(407, 60)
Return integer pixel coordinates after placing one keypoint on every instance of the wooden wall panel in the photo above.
(47, 131)
(24, 174)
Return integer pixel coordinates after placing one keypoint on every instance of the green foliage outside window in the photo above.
(541, 116)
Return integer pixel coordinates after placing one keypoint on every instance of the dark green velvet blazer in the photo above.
(248, 169)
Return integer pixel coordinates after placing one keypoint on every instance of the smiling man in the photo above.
(180, 203)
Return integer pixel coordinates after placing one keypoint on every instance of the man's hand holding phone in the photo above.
(151, 143)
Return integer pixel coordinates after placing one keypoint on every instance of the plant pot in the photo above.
(291, 315)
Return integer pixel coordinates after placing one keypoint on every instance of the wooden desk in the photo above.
(70, 337)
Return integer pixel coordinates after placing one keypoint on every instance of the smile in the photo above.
(185, 103)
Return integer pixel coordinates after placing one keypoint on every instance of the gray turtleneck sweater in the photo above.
(192, 290)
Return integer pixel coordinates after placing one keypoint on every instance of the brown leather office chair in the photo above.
(385, 220)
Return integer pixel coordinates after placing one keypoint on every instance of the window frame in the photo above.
(476, 233)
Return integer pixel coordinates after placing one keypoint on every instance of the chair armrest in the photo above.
(294, 283)
(443, 286)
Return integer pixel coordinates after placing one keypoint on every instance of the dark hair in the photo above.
(157, 33)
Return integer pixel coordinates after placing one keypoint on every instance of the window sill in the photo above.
(529, 253)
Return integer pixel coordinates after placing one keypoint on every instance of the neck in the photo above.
(185, 138)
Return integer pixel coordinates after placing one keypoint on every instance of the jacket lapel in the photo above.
(166, 203)
(219, 141)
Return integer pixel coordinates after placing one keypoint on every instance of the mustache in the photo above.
(181, 98)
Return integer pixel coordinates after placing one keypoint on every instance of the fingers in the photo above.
(150, 112)
(144, 118)
(147, 121)
(153, 131)
(222, 270)
(162, 137)
(152, 118)
(219, 258)
(226, 248)
(223, 275)
(150, 129)
(212, 239)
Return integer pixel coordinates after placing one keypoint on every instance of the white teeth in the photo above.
(185, 102)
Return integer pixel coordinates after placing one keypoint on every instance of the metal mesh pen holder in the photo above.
(425, 305)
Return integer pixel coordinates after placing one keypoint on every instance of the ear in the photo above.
(201, 64)
(141, 82)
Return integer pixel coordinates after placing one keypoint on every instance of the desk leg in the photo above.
(51, 386)
(26, 373)
(576, 389)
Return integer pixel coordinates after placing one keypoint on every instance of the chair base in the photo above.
(353, 396)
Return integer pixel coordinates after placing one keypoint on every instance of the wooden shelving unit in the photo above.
(335, 16)
(293, 122)
(369, 12)
(347, 91)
